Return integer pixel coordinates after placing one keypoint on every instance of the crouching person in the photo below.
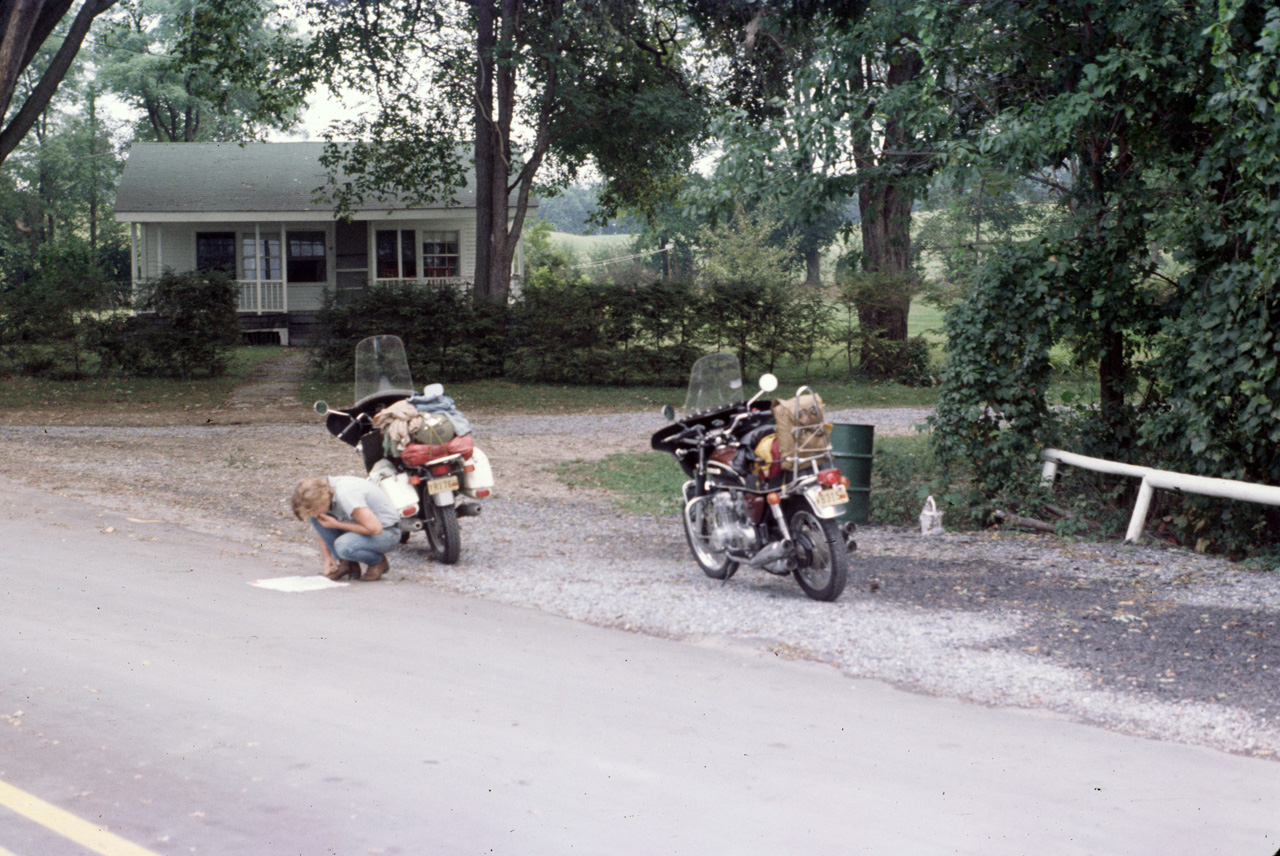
(355, 523)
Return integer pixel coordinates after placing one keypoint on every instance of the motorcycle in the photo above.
(763, 488)
(412, 446)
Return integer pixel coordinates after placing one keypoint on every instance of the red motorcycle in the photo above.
(763, 486)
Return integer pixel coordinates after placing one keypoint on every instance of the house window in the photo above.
(260, 255)
(306, 257)
(440, 255)
(396, 258)
(216, 251)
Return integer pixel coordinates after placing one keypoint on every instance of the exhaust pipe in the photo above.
(771, 553)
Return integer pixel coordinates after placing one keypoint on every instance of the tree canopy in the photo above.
(206, 70)
(536, 91)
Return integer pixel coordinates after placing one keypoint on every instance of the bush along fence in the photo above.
(563, 330)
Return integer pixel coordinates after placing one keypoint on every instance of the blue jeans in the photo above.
(366, 549)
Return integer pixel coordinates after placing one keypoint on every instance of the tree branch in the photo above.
(39, 98)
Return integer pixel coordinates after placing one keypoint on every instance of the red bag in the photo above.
(417, 454)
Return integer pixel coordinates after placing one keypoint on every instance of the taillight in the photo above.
(829, 478)
(482, 493)
(441, 470)
(415, 481)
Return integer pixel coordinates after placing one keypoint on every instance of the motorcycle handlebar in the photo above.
(683, 435)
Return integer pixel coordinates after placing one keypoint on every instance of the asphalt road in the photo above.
(148, 690)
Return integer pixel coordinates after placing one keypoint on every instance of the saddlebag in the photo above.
(477, 477)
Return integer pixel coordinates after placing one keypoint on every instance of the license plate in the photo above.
(832, 496)
(440, 485)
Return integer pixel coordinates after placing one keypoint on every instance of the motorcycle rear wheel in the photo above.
(443, 536)
(697, 531)
(822, 558)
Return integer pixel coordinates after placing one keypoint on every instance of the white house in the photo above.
(253, 210)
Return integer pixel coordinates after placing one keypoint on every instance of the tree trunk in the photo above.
(886, 255)
(486, 144)
(885, 205)
(93, 176)
(813, 267)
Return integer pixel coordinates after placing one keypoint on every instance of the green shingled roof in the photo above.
(176, 178)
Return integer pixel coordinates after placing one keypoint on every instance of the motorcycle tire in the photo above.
(716, 565)
(822, 558)
(443, 535)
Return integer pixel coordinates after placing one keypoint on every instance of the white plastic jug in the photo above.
(931, 518)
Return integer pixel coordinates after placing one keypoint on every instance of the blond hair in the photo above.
(311, 495)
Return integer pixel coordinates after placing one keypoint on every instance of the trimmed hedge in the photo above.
(565, 329)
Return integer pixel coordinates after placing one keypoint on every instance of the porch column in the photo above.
(133, 258)
(257, 267)
(284, 267)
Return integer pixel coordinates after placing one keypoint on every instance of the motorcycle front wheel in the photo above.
(443, 535)
(822, 558)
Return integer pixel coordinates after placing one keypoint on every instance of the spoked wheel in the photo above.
(698, 524)
(821, 556)
(443, 534)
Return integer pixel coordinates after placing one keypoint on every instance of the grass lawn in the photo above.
(587, 248)
(143, 394)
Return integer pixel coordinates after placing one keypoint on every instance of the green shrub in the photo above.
(186, 327)
(48, 316)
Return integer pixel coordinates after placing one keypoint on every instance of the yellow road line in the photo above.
(4, 852)
(66, 824)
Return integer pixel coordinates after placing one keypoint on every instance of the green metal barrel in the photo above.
(853, 451)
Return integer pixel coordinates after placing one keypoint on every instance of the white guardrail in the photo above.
(1162, 479)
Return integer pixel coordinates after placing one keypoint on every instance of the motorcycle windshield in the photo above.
(381, 366)
(714, 383)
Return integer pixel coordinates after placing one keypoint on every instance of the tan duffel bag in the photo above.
(803, 435)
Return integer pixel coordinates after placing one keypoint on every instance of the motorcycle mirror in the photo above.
(768, 383)
(321, 407)
(668, 413)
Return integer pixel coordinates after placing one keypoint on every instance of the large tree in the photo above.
(1107, 107)
(762, 51)
(25, 26)
(205, 70)
(535, 91)
(832, 114)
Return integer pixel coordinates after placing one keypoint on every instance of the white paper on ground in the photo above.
(296, 584)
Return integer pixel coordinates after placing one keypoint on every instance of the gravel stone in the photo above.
(1144, 640)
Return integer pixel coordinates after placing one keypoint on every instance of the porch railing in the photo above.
(261, 296)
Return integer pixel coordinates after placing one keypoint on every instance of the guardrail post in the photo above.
(1139, 517)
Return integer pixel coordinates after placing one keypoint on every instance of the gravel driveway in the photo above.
(1143, 640)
